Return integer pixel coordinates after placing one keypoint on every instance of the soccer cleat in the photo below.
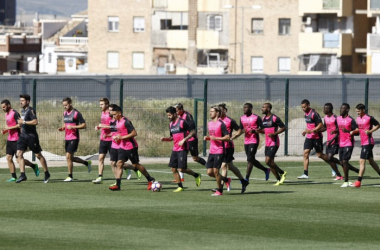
(217, 193)
(179, 189)
(198, 180)
(182, 180)
(150, 185)
(244, 185)
(36, 170)
(350, 184)
(46, 178)
(283, 177)
(114, 184)
(11, 179)
(114, 188)
(138, 173)
(68, 179)
(347, 184)
(214, 190)
(267, 172)
(338, 178)
(357, 184)
(98, 180)
(89, 166)
(228, 184)
(21, 178)
(304, 176)
(278, 183)
(129, 174)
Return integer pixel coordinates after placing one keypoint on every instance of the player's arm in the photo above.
(225, 135)
(33, 119)
(281, 125)
(375, 125)
(131, 131)
(189, 128)
(239, 132)
(168, 138)
(82, 122)
(354, 127)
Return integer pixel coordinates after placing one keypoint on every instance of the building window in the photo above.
(284, 26)
(257, 25)
(138, 24)
(214, 23)
(49, 58)
(138, 60)
(257, 64)
(113, 60)
(113, 23)
(284, 64)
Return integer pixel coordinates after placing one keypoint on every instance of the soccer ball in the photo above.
(156, 186)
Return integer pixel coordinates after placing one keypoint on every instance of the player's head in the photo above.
(360, 109)
(214, 112)
(6, 105)
(223, 109)
(110, 108)
(67, 103)
(116, 112)
(305, 105)
(179, 108)
(24, 100)
(266, 108)
(344, 109)
(328, 108)
(171, 113)
(104, 103)
(247, 108)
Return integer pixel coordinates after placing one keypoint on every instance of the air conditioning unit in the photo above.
(169, 67)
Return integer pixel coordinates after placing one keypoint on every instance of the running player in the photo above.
(366, 126)
(271, 125)
(218, 135)
(251, 123)
(13, 130)
(230, 149)
(128, 148)
(346, 125)
(180, 133)
(73, 121)
(29, 138)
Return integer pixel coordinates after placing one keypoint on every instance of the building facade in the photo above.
(7, 12)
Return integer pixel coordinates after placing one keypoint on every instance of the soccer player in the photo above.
(218, 135)
(272, 127)
(125, 137)
(250, 123)
(366, 126)
(74, 121)
(314, 138)
(230, 149)
(29, 138)
(346, 125)
(13, 130)
(180, 133)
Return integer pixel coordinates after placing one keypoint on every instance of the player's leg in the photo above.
(43, 162)
(12, 168)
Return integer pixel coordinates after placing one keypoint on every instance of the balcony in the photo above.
(176, 39)
(73, 40)
(20, 44)
(209, 39)
(374, 41)
(325, 43)
(339, 7)
(171, 5)
(373, 8)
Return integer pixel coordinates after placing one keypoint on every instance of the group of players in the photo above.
(118, 138)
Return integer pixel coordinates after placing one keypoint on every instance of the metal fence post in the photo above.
(205, 115)
(108, 87)
(34, 105)
(366, 95)
(121, 94)
(286, 116)
(196, 114)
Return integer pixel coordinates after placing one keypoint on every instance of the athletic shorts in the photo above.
(32, 142)
(313, 143)
(332, 149)
(345, 153)
(125, 155)
(250, 151)
(113, 154)
(366, 152)
(214, 161)
(11, 148)
(71, 146)
(229, 156)
(104, 147)
(271, 151)
(193, 147)
(178, 159)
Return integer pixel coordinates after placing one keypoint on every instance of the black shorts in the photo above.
(313, 143)
(113, 154)
(125, 155)
(104, 147)
(345, 153)
(229, 156)
(366, 152)
(71, 146)
(11, 148)
(178, 159)
(193, 147)
(332, 149)
(250, 151)
(214, 161)
(31, 142)
(271, 151)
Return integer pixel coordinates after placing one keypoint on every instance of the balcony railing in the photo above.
(73, 40)
(375, 4)
(374, 41)
(331, 4)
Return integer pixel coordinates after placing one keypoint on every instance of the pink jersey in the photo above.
(345, 139)
(331, 125)
(312, 120)
(178, 130)
(189, 119)
(248, 123)
(231, 125)
(72, 118)
(113, 129)
(105, 120)
(125, 127)
(217, 129)
(271, 125)
(366, 123)
(11, 119)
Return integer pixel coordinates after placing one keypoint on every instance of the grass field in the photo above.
(312, 214)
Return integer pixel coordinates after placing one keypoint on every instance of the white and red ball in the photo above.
(156, 186)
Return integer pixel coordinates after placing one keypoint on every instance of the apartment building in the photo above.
(371, 51)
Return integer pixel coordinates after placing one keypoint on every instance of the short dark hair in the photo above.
(305, 101)
(360, 106)
(6, 102)
(67, 99)
(171, 110)
(329, 104)
(112, 105)
(179, 106)
(346, 104)
(248, 104)
(105, 100)
(223, 105)
(26, 97)
(116, 108)
(269, 105)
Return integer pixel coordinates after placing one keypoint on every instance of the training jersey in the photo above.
(330, 123)
(179, 130)
(345, 139)
(11, 118)
(249, 123)
(366, 123)
(190, 120)
(105, 120)
(113, 130)
(72, 118)
(28, 114)
(312, 120)
(271, 125)
(125, 127)
(230, 125)
(217, 129)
